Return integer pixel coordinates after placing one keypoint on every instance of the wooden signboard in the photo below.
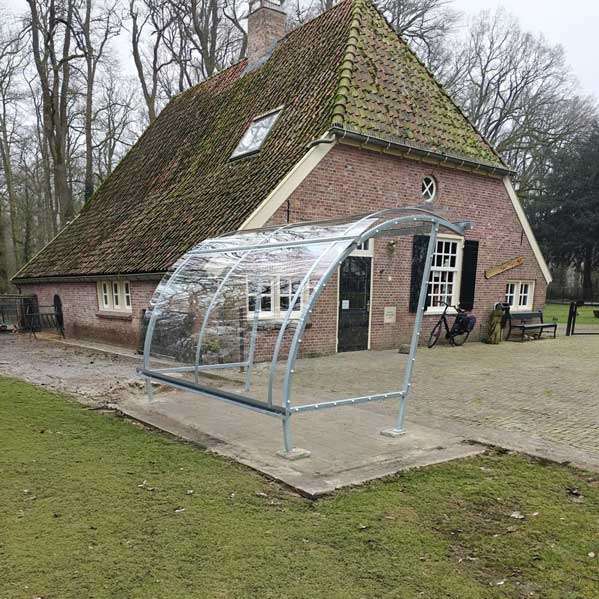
(508, 265)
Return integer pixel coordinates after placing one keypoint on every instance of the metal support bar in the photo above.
(252, 348)
(150, 330)
(201, 367)
(305, 281)
(320, 286)
(407, 382)
(350, 401)
(213, 392)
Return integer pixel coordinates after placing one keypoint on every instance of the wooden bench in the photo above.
(523, 322)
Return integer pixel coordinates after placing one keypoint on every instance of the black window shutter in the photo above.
(468, 283)
(419, 249)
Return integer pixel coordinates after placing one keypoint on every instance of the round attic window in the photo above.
(429, 188)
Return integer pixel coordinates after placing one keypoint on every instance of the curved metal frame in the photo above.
(418, 216)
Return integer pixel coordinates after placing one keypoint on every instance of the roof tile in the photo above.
(177, 186)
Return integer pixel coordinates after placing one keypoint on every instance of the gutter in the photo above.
(141, 276)
(385, 145)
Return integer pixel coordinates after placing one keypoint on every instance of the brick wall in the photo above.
(82, 317)
(353, 181)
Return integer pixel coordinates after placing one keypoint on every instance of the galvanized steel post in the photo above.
(407, 383)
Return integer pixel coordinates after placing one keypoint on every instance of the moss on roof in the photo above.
(177, 186)
(385, 91)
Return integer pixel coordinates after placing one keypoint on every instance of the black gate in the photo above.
(23, 313)
(572, 316)
(354, 303)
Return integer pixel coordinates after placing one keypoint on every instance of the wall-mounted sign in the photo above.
(345, 304)
(507, 265)
(389, 314)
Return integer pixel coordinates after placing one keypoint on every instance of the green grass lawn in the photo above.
(92, 505)
(560, 311)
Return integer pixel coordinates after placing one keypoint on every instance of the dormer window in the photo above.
(255, 134)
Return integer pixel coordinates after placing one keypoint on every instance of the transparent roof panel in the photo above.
(238, 303)
(255, 134)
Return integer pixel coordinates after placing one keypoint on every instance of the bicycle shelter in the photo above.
(207, 314)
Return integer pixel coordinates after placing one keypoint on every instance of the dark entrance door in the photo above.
(58, 312)
(354, 303)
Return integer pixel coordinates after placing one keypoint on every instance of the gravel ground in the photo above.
(95, 378)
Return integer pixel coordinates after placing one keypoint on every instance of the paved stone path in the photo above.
(540, 397)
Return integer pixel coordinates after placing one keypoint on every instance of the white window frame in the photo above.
(237, 152)
(516, 296)
(114, 295)
(457, 269)
(432, 188)
(365, 249)
(276, 312)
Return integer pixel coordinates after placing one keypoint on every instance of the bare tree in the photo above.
(115, 123)
(51, 39)
(150, 20)
(49, 209)
(518, 91)
(12, 61)
(92, 31)
(424, 24)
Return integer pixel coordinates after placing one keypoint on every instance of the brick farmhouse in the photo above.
(337, 117)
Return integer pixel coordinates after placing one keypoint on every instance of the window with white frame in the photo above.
(429, 188)
(276, 296)
(366, 248)
(255, 134)
(520, 294)
(114, 295)
(444, 281)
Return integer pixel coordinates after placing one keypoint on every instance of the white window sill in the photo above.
(270, 317)
(437, 311)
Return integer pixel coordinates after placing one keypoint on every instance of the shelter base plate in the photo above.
(295, 454)
(392, 433)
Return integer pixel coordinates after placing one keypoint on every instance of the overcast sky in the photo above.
(572, 23)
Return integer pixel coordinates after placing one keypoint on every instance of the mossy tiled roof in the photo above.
(177, 186)
(385, 91)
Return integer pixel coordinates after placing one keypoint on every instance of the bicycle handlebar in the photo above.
(457, 308)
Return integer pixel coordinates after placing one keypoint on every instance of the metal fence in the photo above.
(24, 313)
(573, 315)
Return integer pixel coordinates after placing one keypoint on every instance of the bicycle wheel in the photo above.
(459, 339)
(435, 334)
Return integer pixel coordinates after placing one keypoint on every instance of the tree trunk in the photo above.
(587, 271)
(7, 265)
(90, 76)
(9, 227)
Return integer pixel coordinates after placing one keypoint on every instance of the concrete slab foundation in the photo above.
(346, 447)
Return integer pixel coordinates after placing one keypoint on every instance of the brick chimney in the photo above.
(266, 25)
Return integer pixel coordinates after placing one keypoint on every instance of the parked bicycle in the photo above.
(459, 331)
